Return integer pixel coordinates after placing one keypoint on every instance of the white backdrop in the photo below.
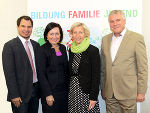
(94, 13)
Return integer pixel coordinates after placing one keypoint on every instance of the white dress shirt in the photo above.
(115, 44)
(23, 40)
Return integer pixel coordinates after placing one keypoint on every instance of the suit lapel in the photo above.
(21, 48)
(122, 45)
(109, 47)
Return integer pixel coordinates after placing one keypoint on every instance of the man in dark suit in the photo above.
(21, 63)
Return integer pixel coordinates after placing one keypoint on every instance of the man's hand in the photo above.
(16, 101)
(140, 97)
(50, 100)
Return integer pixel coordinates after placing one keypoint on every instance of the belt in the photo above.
(35, 84)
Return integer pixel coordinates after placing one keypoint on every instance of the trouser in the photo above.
(121, 106)
(32, 105)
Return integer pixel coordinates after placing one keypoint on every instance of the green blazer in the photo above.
(127, 75)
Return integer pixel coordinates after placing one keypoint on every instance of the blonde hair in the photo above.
(117, 12)
(77, 24)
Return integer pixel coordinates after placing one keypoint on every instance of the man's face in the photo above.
(117, 23)
(25, 28)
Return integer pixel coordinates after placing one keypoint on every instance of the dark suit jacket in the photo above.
(89, 71)
(56, 70)
(17, 69)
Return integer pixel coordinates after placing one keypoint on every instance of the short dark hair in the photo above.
(24, 17)
(49, 27)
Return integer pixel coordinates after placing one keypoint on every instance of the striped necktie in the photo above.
(30, 59)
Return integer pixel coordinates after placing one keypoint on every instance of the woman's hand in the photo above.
(91, 105)
(50, 100)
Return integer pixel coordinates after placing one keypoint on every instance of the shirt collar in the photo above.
(23, 40)
(122, 33)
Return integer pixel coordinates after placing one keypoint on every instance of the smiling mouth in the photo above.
(78, 38)
(26, 33)
(54, 39)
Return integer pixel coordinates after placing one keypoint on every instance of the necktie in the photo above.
(30, 59)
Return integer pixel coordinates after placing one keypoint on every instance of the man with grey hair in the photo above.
(124, 53)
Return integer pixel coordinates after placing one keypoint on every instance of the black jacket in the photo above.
(17, 68)
(55, 68)
(89, 71)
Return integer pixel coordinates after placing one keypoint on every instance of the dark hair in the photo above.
(24, 17)
(49, 27)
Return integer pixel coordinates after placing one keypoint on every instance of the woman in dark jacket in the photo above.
(84, 64)
(54, 82)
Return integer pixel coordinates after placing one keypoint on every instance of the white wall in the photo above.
(10, 10)
(145, 106)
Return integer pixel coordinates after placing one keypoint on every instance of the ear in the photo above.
(125, 20)
(17, 28)
(72, 38)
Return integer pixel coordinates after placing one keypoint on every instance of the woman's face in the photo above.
(78, 34)
(53, 36)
